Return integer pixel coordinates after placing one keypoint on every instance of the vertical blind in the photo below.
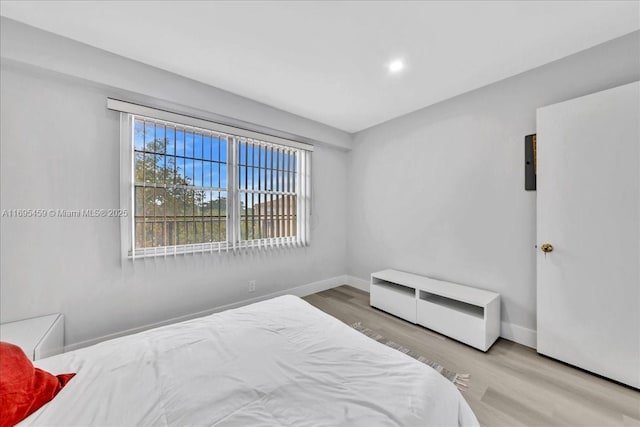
(202, 189)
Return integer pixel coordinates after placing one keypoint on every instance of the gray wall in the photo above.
(440, 191)
(437, 192)
(28, 45)
(60, 149)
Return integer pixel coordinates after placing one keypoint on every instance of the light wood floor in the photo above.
(511, 385)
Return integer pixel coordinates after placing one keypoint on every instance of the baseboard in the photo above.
(357, 283)
(519, 334)
(300, 291)
(510, 331)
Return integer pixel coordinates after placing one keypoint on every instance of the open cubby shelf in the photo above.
(462, 307)
(467, 314)
(395, 287)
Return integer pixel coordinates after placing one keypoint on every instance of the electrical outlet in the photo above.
(252, 285)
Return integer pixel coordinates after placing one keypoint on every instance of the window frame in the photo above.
(233, 242)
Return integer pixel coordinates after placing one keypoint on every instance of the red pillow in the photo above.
(24, 388)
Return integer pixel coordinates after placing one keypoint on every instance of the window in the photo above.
(194, 186)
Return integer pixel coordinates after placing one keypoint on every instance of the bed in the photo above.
(279, 362)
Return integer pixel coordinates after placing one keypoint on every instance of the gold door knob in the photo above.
(546, 248)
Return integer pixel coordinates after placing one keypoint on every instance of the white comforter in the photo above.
(279, 362)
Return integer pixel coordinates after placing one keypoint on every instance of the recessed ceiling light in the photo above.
(396, 66)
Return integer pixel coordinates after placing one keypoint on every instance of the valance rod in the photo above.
(154, 113)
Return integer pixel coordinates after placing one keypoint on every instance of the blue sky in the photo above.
(202, 158)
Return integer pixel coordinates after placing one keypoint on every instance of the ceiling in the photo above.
(327, 61)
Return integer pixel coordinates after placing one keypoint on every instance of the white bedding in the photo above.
(279, 362)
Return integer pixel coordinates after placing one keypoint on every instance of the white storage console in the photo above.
(467, 314)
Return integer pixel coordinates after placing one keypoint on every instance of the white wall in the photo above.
(59, 148)
(440, 192)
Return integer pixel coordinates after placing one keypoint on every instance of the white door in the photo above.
(588, 197)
